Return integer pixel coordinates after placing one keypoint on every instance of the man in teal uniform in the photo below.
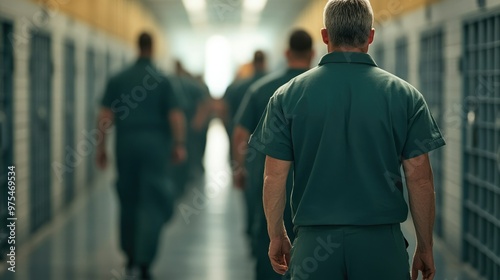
(348, 127)
(149, 130)
(233, 97)
(299, 56)
(236, 91)
(194, 96)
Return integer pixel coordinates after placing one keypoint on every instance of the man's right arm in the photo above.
(178, 124)
(419, 180)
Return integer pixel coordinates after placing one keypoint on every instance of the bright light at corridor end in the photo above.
(218, 67)
(195, 5)
(255, 6)
(197, 10)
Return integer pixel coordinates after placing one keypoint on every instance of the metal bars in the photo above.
(482, 144)
(431, 73)
(40, 129)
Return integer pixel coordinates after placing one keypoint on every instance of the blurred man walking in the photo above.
(150, 127)
(251, 162)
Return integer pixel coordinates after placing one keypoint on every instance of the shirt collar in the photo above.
(348, 57)
(144, 60)
(296, 71)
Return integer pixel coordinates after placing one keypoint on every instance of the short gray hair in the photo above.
(348, 22)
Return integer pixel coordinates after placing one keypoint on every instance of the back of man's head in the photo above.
(259, 60)
(348, 22)
(145, 43)
(300, 44)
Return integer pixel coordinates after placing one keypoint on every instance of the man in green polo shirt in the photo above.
(236, 91)
(150, 127)
(348, 127)
(299, 56)
(232, 99)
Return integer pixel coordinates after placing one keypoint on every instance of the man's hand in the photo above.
(423, 262)
(279, 254)
(179, 154)
(240, 178)
(102, 158)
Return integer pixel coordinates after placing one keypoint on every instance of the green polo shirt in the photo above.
(235, 93)
(140, 97)
(257, 97)
(347, 125)
(191, 92)
(248, 116)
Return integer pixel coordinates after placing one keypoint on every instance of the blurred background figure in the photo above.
(150, 130)
(232, 100)
(236, 90)
(249, 175)
(197, 106)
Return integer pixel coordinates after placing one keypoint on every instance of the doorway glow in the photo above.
(218, 67)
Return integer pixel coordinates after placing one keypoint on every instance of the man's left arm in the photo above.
(240, 147)
(104, 122)
(275, 176)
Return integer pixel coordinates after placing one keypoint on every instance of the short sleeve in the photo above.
(179, 93)
(247, 115)
(423, 133)
(172, 96)
(109, 94)
(273, 133)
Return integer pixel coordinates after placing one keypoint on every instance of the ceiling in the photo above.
(188, 42)
(225, 14)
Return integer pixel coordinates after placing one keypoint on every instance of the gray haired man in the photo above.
(348, 127)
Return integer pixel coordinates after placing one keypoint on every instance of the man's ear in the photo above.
(371, 37)
(324, 36)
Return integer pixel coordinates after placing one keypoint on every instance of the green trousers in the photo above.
(144, 192)
(349, 253)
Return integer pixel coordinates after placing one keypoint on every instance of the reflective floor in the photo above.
(206, 242)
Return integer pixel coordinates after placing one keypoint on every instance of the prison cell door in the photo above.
(71, 155)
(6, 122)
(481, 179)
(431, 73)
(40, 129)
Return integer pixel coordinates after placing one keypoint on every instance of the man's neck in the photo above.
(298, 64)
(347, 49)
(145, 55)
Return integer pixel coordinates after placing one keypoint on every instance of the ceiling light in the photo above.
(195, 5)
(254, 5)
